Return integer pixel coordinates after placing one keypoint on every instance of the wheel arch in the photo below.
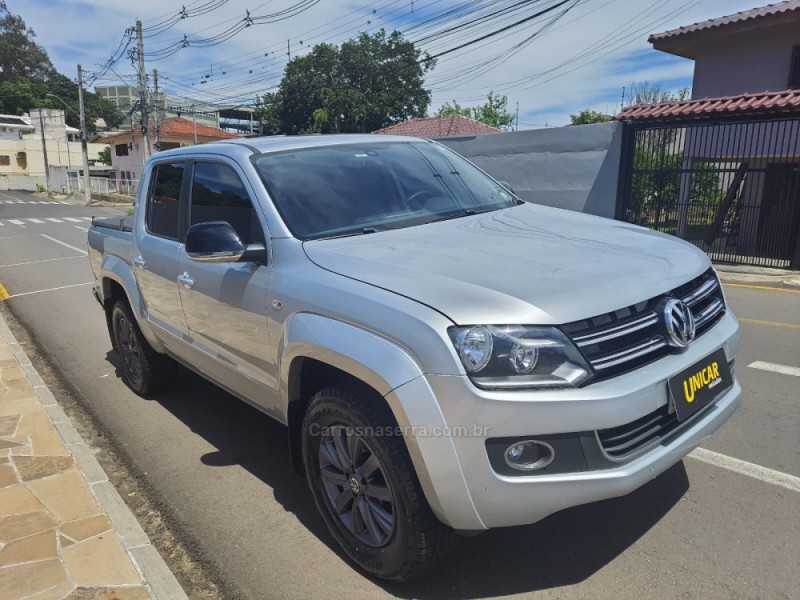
(314, 348)
(118, 282)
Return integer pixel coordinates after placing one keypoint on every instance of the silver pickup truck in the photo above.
(446, 357)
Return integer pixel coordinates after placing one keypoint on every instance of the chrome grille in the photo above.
(618, 342)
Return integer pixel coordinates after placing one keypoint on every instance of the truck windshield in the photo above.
(350, 189)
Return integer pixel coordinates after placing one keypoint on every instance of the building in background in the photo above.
(22, 163)
(723, 169)
(127, 147)
(242, 119)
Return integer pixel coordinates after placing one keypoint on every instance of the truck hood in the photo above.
(528, 264)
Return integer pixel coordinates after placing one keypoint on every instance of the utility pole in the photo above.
(516, 128)
(288, 50)
(142, 91)
(44, 150)
(157, 144)
(194, 124)
(87, 182)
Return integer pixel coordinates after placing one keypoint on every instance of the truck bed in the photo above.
(115, 223)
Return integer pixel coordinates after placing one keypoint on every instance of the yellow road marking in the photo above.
(3, 293)
(769, 323)
(761, 287)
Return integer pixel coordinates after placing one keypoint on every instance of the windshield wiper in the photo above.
(362, 231)
(465, 213)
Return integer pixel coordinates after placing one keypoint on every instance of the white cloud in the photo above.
(582, 61)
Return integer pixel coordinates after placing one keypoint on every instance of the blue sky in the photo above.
(580, 61)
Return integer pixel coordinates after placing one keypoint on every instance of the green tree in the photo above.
(19, 94)
(28, 79)
(587, 117)
(104, 156)
(66, 93)
(367, 83)
(20, 55)
(493, 113)
(644, 92)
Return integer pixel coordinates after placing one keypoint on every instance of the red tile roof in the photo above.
(787, 101)
(435, 127)
(756, 13)
(180, 127)
(175, 127)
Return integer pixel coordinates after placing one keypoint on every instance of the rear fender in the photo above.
(116, 269)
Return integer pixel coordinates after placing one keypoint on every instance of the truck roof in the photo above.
(278, 143)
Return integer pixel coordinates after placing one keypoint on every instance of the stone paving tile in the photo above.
(17, 500)
(109, 593)
(56, 593)
(66, 496)
(56, 540)
(34, 423)
(100, 561)
(83, 529)
(20, 581)
(48, 444)
(20, 526)
(36, 547)
(8, 476)
(8, 425)
(36, 467)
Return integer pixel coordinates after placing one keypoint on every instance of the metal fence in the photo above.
(103, 188)
(731, 188)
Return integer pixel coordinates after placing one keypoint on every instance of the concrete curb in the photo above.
(158, 578)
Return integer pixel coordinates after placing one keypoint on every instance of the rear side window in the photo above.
(219, 195)
(162, 206)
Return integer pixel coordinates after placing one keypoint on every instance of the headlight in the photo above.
(515, 356)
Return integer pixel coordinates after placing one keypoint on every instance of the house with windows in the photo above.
(736, 141)
(127, 147)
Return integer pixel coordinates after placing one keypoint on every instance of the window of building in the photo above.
(5, 161)
(219, 195)
(794, 69)
(121, 149)
(162, 204)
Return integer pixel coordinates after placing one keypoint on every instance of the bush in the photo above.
(40, 188)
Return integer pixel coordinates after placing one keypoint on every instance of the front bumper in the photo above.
(466, 492)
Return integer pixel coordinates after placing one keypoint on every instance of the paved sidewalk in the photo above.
(65, 533)
(747, 274)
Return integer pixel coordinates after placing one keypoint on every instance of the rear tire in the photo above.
(365, 487)
(145, 371)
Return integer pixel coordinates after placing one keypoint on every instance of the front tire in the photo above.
(365, 487)
(145, 370)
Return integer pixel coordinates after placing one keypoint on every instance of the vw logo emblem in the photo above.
(678, 322)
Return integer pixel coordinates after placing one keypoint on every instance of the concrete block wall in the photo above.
(576, 167)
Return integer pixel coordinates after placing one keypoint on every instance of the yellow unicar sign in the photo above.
(707, 376)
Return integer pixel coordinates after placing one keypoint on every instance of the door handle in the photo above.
(187, 281)
(139, 262)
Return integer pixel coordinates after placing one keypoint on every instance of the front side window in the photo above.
(162, 205)
(219, 195)
(360, 188)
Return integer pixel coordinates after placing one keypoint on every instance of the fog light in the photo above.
(529, 455)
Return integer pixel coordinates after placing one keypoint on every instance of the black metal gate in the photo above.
(732, 188)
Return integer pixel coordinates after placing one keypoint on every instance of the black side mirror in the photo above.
(217, 241)
(506, 185)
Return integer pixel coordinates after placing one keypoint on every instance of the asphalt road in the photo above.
(699, 531)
